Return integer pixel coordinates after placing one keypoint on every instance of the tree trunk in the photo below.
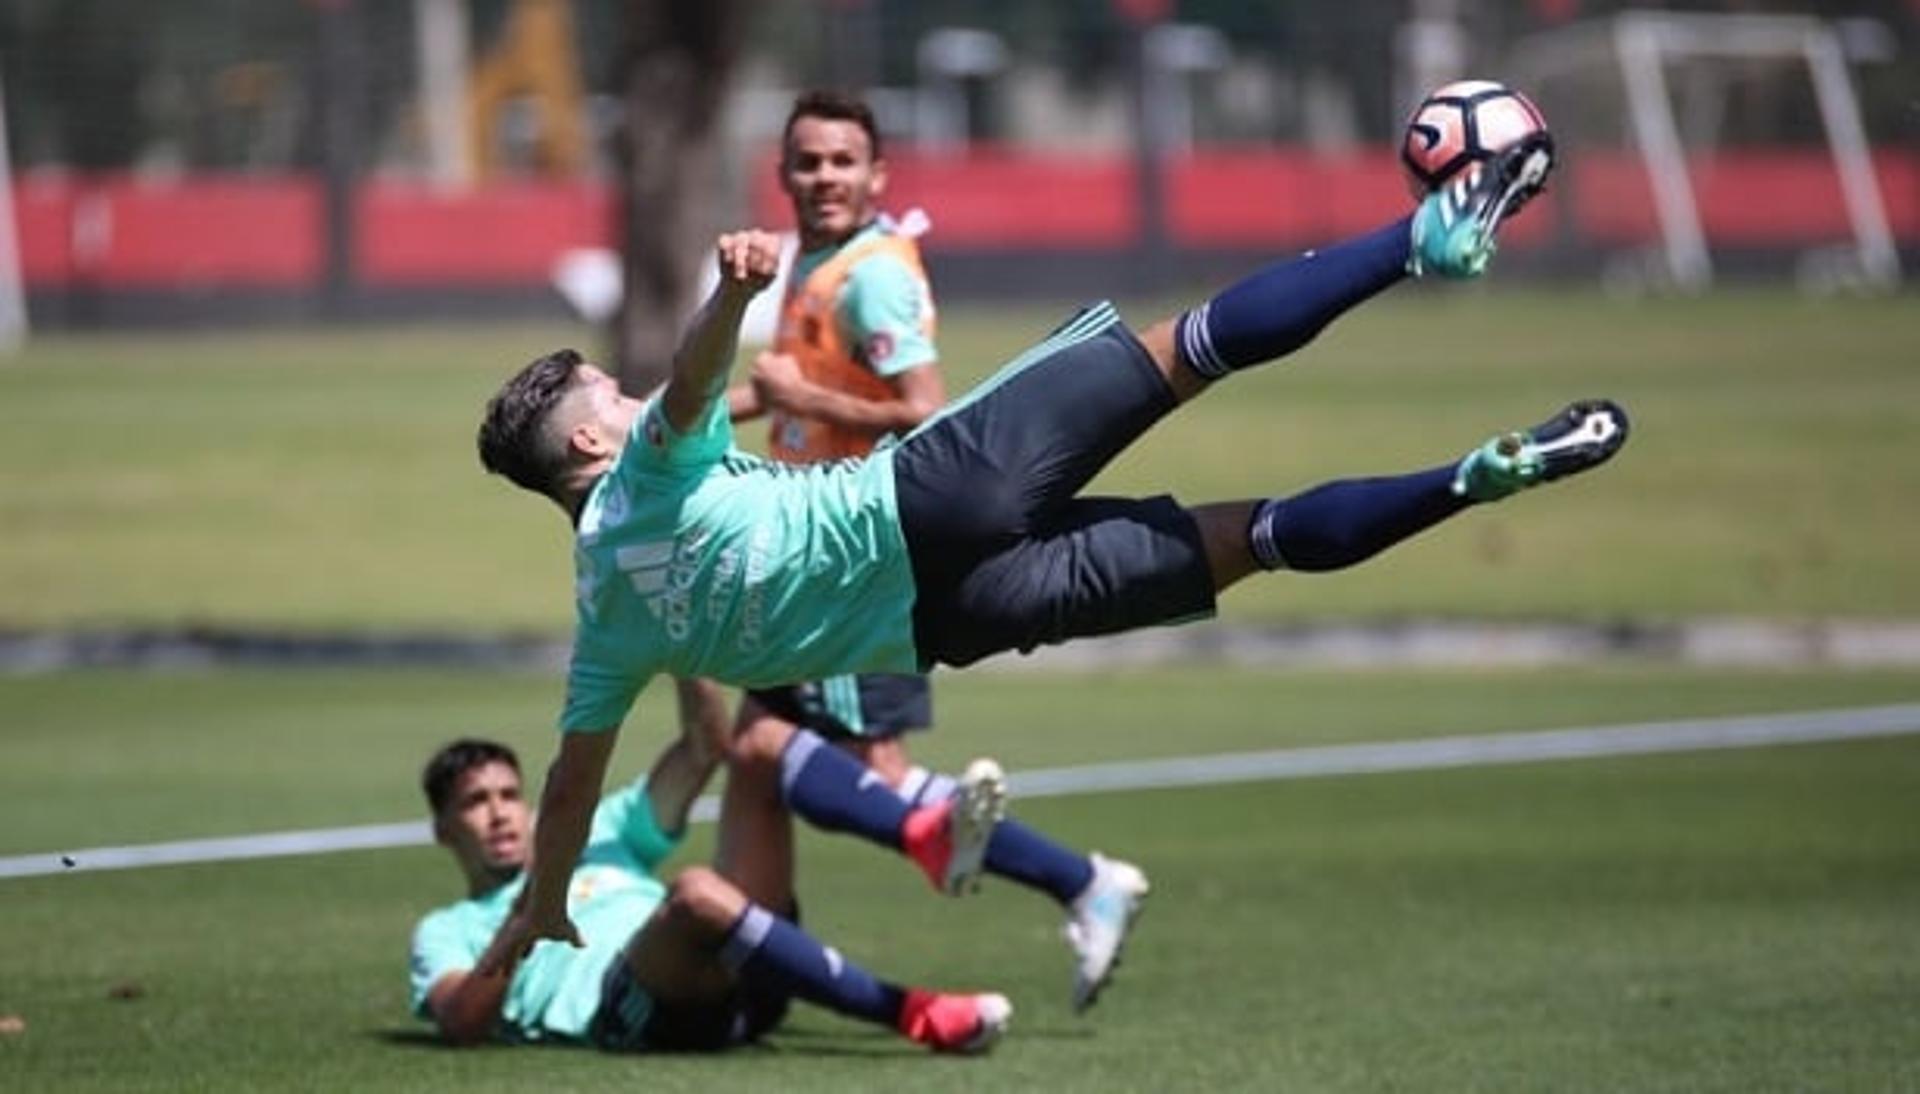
(679, 58)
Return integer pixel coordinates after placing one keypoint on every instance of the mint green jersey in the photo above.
(557, 988)
(694, 558)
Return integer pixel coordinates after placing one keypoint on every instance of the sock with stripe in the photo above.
(833, 791)
(1280, 308)
(836, 793)
(1340, 523)
(767, 952)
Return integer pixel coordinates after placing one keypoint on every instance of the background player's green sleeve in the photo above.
(885, 309)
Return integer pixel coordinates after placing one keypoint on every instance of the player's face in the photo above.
(828, 171)
(486, 823)
(606, 405)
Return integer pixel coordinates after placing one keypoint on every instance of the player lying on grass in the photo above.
(710, 960)
(970, 536)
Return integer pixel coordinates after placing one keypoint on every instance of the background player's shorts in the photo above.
(1005, 554)
(630, 1020)
(871, 705)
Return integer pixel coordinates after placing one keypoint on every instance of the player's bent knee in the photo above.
(701, 896)
(762, 741)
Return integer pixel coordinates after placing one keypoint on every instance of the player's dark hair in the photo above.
(834, 106)
(514, 439)
(456, 759)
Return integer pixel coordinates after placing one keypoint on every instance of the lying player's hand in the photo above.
(748, 260)
(776, 379)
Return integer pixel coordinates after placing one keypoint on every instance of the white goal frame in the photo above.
(1641, 42)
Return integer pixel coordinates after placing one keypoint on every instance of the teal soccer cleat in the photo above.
(1579, 438)
(1454, 228)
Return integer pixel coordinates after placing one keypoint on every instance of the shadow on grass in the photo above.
(823, 1043)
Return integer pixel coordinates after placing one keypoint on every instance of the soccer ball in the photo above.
(1463, 123)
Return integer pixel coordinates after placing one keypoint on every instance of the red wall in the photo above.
(211, 231)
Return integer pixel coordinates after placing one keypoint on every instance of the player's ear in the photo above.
(585, 442)
(440, 834)
(879, 184)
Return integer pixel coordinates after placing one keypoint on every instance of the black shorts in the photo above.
(868, 706)
(630, 1020)
(1005, 555)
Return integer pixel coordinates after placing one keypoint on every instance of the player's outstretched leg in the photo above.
(1341, 523)
(1281, 308)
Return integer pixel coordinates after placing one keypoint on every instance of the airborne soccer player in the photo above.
(971, 535)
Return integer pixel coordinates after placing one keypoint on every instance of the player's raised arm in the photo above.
(748, 262)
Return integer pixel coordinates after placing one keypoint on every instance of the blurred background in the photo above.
(239, 159)
(267, 258)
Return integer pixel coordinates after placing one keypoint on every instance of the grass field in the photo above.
(327, 479)
(1733, 921)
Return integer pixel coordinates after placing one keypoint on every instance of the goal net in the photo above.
(1668, 88)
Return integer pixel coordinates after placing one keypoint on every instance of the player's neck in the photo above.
(483, 881)
(810, 243)
(572, 497)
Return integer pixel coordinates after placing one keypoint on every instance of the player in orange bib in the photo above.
(854, 361)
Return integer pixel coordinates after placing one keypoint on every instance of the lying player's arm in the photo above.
(688, 764)
(748, 261)
(917, 393)
(466, 1005)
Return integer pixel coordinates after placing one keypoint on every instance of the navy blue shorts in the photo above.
(1005, 554)
(869, 706)
(631, 1020)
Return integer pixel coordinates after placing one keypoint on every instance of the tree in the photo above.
(679, 60)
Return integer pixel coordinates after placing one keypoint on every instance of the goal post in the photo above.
(1638, 47)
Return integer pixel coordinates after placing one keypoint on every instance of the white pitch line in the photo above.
(1289, 763)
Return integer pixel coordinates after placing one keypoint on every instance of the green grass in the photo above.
(106, 758)
(1738, 921)
(327, 479)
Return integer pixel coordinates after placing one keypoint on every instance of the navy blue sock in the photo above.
(1021, 854)
(1280, 308)
(1341, 523)
(767, 952)
(831, 790)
